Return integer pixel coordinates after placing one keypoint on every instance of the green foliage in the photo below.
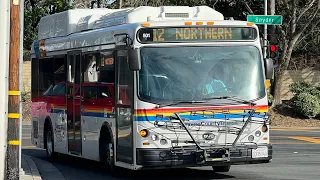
(270, 98)
(305, 87)
(34, 10)
(306, 100)
(306, 104)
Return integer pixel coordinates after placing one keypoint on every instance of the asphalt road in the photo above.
(296, 157)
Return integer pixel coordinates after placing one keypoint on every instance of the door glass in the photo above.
(74, 103)
(70, 93)
(77, 104)
(124, 110)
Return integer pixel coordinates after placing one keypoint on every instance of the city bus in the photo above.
(151, 87)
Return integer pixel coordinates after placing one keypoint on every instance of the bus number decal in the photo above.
(158, 34)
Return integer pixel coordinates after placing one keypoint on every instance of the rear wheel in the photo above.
(221, 168)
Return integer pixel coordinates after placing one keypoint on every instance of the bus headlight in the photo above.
(251, 138)
(154, 137)
(163, 141)
(258, 133)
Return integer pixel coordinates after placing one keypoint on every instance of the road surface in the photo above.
(296, 157)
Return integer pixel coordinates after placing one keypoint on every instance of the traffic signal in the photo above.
(274, 51)
(274, 54)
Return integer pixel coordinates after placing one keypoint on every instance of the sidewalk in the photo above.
(29, 169)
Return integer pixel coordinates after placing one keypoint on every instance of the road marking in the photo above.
(303, 130)
(290, 142)
(296, 128)
(286, 137)
(303, 138)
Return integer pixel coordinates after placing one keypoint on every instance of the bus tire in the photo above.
(106, 152)
(49, 141)
(221, 168)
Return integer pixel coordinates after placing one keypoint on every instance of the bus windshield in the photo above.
(197, 73)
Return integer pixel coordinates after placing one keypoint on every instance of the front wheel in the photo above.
(221, 168)
(106, 156)
(49, 142)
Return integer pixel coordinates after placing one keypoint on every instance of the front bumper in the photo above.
(166, 158)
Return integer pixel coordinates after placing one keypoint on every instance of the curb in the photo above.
(28, 123)
(34, 170)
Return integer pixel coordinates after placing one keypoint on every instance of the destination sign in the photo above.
(196, 34)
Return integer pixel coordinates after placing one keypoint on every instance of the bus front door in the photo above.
(74, 102)
(124, 104)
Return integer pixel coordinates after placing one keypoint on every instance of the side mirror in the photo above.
(268, 68)
(134, 59)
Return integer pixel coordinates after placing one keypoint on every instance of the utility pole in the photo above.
(13, 148)
(4, 56)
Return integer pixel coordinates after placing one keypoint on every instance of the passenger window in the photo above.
(90, 92)
(103, 92)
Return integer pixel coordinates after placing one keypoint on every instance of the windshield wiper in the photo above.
(234, 98)
(179, 102)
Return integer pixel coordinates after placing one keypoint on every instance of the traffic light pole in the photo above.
(265, 30)
(13, 148)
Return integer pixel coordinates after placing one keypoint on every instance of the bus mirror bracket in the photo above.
(269, 67)
(134, 59)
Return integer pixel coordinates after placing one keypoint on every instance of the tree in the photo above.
(34, 10)
(298, 16)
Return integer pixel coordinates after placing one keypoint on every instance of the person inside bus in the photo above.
(214, 82)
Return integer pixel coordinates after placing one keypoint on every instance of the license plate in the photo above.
(260, 152)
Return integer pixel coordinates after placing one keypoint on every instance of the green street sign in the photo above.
(265, 19)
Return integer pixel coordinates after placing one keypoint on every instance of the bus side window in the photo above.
(90, 92)
(103, 92)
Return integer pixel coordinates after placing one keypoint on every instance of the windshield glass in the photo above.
(57, 90)
(197, 73)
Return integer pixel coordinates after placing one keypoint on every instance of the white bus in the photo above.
(151, 87)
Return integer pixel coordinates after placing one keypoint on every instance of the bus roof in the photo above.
(78, 20)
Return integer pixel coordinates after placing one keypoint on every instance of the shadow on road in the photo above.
(82, 165)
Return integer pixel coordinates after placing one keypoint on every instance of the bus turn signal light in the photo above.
(264, 128)
(145, 24)
(250, 23)
(144, 133)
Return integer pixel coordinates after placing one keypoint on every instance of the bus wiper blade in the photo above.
(179, 102)
(234, 98)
